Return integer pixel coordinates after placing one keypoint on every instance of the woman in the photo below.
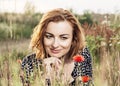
(56, 40)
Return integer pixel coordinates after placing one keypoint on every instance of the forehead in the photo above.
(62, 27)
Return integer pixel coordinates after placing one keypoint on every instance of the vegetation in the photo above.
(17, 26)
(102, 39)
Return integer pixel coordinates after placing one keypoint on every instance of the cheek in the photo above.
(66, 44)
(47, 42)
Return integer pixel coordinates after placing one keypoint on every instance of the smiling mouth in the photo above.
(55, 51)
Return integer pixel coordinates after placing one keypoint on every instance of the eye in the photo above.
(64, 38)
(48, 36)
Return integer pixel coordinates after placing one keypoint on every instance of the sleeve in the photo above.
(27, 62)
(30, 66)
(83, 68)
(24, 62)
(86, 66)
(27, 66)
(30, 61)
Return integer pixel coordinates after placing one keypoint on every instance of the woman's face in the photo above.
(58, 38)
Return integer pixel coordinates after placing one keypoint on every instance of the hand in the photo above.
(52, 66)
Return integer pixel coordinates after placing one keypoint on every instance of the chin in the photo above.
(56, 55)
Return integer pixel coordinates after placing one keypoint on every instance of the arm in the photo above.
(86, 66)
(28, 66)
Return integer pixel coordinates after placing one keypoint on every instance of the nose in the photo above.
(55, 43)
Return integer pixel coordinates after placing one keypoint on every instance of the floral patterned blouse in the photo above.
(84, 68)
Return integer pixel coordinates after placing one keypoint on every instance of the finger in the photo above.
(59, 61)
(58, 65)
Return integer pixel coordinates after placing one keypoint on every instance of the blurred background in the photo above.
(100, 20)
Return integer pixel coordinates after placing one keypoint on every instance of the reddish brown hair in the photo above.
(57, 15)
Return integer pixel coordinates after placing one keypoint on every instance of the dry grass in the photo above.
(10, 45)
(105, 73)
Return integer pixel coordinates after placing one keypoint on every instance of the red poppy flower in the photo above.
(78, 58)
(85, 78)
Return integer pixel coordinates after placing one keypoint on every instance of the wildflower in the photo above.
(78, 58)
(85, 78)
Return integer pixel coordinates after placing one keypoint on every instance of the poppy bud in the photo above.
(19, 61)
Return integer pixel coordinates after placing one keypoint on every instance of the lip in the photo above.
(55, 51)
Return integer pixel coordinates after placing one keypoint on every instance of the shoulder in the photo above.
(28, 59)
(83, 68)
(86, 53)
(88, 59)
(29, 64)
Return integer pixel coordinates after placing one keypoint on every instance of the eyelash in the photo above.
(50, 36)
(64, 38)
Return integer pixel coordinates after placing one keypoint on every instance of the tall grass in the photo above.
(9, 73)
(103, 43)
(105, 73)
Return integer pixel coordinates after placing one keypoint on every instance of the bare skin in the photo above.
(57, 41)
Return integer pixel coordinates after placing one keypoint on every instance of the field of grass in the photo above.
(103, 43)
(105, 73)
(10, 52)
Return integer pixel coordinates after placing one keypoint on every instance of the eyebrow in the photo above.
(64, 35)
(48, 33)
(60, 35)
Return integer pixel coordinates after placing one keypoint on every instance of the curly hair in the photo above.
(57, 15)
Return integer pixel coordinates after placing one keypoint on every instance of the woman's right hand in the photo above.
(52, 65)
